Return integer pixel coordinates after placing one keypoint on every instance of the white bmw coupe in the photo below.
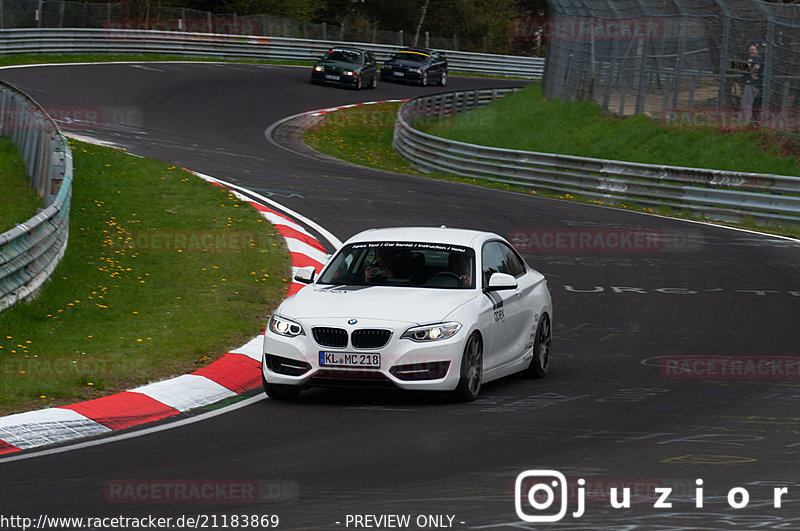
(413, 308)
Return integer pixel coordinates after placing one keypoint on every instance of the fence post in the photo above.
(679, 61)
(723, 58)
(766, 94)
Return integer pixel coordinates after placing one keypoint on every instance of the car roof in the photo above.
(345, 49)
(420, 50)
(465, 237)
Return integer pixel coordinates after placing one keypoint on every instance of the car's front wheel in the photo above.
(358, 83)
(279, 392)
(424, 80)
(541, 349)
(374, 83)
(469, 386)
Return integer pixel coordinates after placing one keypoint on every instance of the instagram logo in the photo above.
(536, 492)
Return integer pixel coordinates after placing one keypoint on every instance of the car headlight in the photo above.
(388, 67)
(415, 70)
(434, 332)
(349, 73)
(284, 327)
(319, 68)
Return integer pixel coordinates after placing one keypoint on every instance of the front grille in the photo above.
(370, 338)
(330, 337)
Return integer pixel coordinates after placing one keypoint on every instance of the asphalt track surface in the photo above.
(610, 411)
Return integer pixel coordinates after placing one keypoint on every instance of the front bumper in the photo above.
(330, 78)
(401, 76)
(404, 364)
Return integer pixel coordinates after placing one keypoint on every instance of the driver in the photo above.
(459, 264)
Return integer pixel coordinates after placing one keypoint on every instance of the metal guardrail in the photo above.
(729, 196)
(125, 41)
(30, 251)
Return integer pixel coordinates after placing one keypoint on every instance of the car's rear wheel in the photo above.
(443, 80)
(279, 392)
(541, 349)
(469, 386)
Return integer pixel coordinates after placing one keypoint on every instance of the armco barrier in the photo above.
(730, 196)
(124, 41)
(30, 251)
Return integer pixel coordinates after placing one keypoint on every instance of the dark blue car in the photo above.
(416, 65)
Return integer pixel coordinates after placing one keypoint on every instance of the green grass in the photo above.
(19, 201)
(26, 59)
(527, 121)
(163, 273)
(361, 135)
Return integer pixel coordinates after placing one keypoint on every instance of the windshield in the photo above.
(424, 265)
(415, 57)
(345, 56)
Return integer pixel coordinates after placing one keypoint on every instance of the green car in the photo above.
(348, 67)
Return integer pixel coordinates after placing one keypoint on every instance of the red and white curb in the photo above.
(236, 372)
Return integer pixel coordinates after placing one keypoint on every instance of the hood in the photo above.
(339, 65)
(410, 305)
(406, 63)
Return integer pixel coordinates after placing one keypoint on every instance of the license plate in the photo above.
(349, 359)
(400, 74)
(330, 76)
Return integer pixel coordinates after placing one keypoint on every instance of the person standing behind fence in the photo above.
(751, 84)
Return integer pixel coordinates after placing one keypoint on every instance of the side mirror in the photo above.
(305, 274)
(501, 281)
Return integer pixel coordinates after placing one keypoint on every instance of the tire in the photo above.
(358, 83)
(469, 386)
(424, 81)
(443, 80)
(374, 83)
(279, 392)
(541, 349)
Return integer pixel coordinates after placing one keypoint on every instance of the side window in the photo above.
(515, 266)
(493, 260)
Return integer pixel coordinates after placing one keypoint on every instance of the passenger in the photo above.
(388, 264)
